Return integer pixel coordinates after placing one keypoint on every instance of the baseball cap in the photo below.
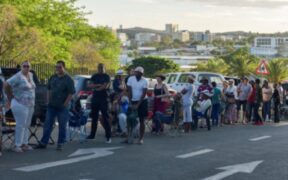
(139, 69)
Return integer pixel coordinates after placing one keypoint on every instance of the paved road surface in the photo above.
(192, 157)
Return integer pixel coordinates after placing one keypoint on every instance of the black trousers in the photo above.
(257, 117)
(276, 112)
(100, 105)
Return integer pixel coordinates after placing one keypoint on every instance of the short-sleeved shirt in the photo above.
(100, 79)
(202, 88)
(244, 91)
(216, 96)
(23, 90)
(187, 97)
(137, 87)
(60, 88)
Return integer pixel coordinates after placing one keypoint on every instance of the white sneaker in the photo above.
(17, 149)
(109, 141)
(27, 148)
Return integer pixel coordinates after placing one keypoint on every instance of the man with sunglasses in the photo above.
(60, 91)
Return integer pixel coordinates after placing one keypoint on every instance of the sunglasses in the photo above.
(26, 66)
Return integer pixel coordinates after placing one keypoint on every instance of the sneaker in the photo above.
(17, 149)
(27, 148)
(141, 142)
(59, 147)
(89, 137)
(109, 141)
(41, 146)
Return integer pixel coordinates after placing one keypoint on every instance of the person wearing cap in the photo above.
(201, 107)
(118, 83)
(160, 100)
(187, 100)
(244, 89)
(204, 86)
(137, 89)
(100, 84)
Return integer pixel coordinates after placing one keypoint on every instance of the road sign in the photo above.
(90, 153)
(231, 170)
(262, 68)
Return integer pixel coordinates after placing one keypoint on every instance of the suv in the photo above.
(179, 80)
(81, 86)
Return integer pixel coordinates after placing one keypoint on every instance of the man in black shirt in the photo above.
(100, 84)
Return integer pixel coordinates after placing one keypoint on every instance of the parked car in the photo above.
(179, 80)
(40, 93)
(81, 85)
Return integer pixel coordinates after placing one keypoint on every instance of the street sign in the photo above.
(231, 170)
(262, 68)
(90, 153)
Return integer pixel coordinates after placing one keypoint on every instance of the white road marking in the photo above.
(90, 153)
(196, 153)
(259, 138)
(234, 169)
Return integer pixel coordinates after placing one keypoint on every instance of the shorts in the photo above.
(142, 109)
(240, 103)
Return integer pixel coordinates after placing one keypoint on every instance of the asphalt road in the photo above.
(159, 158)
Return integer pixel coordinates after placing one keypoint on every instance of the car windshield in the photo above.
(172, 79)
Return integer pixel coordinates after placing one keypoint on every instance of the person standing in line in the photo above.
(137, 90)
(281, 93)
(230, 94)
(160, 104)
(20, 90)
(251, 102)
(100, 84)
(187, 100)
(267, 93)
(216, 98)
(60, 91)
(257, 103)
(276, 100)
(244, 90)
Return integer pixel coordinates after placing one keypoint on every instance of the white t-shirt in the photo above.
(187, 97)
(137, 87)
(232, 90)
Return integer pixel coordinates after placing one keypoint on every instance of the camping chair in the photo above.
(199, 117)
(8, 129)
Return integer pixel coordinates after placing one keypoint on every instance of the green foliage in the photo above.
(241, 63)
(278, 69)
(49, 30)
(216, 65)
(155, 65)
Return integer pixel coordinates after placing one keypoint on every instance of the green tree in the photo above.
(241, 63)
(278, 69)
(155, 65)
(213, 65)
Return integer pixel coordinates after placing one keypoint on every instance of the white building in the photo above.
(142, 38)
(123, 39)
(182, 36)
(269, 46)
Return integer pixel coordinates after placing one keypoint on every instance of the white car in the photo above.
(179, 80)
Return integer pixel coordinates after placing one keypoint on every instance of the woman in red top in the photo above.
(251, 102)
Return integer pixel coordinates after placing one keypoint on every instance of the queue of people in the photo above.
(230, 105)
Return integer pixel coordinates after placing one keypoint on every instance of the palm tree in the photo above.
(213, 65)
(278, 69)
(241, 63)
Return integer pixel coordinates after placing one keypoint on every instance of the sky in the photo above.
(264, 16)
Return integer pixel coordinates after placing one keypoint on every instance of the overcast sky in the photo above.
(194, 15)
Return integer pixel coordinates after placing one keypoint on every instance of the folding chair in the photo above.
(8, 132)
(201, 118)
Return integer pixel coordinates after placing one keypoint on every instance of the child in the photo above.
(122, 114)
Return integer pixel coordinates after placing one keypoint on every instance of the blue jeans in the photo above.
(266, 110)
(215, 114)
(62, 115)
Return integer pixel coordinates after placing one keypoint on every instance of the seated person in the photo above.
(200, 108)
(122, 114)
(163, 118)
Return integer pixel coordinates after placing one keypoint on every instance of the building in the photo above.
(143, 38)
(206, 36)
(123, 39)
(171, 28)
(182, 36)
(270, 46)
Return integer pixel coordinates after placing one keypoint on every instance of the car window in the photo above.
(172, 79)
(202, 76)
(184, 78)
(216, 79)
